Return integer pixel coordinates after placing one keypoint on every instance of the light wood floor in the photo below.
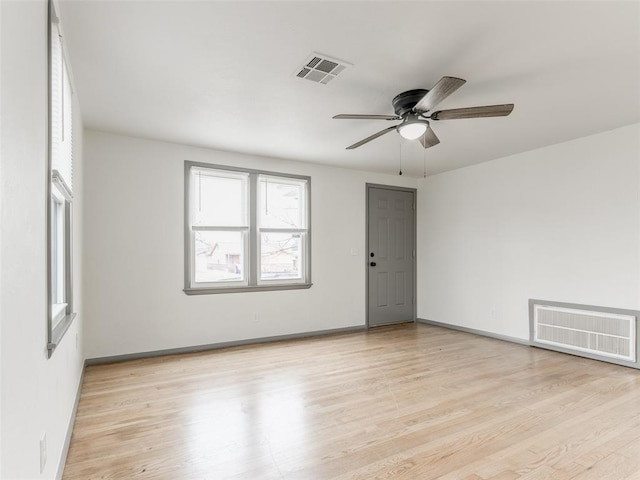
(405, 402)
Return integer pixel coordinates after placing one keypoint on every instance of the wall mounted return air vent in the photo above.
(321, 68)
(608, 334)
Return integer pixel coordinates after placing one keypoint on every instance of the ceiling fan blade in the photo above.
(441, 90)
(353, 116)
(429, 139)
(474, 112)
(372, 137)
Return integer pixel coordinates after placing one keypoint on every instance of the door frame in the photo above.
(414, 192)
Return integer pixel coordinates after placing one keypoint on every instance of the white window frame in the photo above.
(61, 199)
(242, 229)
(252, 232)
(303, 231)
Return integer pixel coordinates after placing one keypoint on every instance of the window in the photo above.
(59, 247)
(59, 214)
(282, 228)
(220, 225)
(246, 230)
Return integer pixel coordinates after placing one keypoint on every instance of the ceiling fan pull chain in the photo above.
(424, 160)
(400, 172)
(266, 196)
(199, 191)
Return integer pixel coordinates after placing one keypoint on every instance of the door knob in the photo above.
(373, 264)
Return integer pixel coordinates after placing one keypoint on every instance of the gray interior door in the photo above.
(391, 256)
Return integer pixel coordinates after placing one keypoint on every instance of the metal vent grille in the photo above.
(321, 68)
(326, 66)
(314, 61)
(597, 333)
(303, 72)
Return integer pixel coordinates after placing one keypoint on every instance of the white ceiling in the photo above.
(221, 74)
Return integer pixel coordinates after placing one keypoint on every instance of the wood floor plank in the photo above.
(403, 402)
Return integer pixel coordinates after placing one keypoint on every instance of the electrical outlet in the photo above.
(43, 451)
(255, 317)
(492, 314)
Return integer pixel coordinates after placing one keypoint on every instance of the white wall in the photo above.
(560, 223)
(37, 394)
(134, 255)
(1, 216)
(2, 174)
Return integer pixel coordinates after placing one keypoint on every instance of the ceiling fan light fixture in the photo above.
(412, 130)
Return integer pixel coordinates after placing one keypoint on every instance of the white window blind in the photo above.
(61, 112)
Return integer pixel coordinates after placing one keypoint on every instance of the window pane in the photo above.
(282, 202)
(280, 256)
(219, 256)
(219, 198)
(58, 263)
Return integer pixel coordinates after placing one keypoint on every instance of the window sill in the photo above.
(260, 288)
(58, 332)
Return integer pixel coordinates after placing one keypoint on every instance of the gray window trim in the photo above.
(56, 332)
(253, 282)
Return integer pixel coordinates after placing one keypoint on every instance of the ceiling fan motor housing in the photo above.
(404, 102)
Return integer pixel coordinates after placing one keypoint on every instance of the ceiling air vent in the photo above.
(321, 68)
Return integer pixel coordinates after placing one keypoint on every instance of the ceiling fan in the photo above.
(414, 108)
